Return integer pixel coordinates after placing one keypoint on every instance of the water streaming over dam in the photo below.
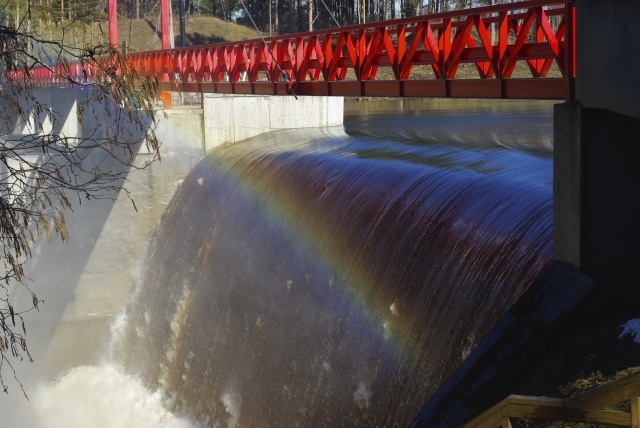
(332, 278)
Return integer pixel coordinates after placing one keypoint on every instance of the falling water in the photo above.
(337, 278)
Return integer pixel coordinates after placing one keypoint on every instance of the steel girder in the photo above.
(424, 56)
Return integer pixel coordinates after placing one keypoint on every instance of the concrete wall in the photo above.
(58, 117)
(596, 182)
(86, 281)
(222, 118)
(608, 42)
(181, 127)
(567, 180)
(234, 118)
(596, 144)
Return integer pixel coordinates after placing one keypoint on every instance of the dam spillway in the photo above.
(337, 278)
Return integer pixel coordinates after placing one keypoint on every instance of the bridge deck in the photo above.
(416, 57)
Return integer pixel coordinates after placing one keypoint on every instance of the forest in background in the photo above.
(270, 17)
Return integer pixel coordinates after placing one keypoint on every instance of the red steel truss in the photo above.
(513, 50)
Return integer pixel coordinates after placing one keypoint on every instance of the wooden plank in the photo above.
(543, 408)
(493, 417)
(567, 414)
(635, 411)
(607, 395)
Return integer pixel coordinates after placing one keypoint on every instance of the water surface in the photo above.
(336, 277)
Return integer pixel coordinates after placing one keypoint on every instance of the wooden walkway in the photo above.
(589, 407)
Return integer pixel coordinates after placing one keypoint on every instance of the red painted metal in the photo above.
(113, 23)
(424, 55)
(165, 23)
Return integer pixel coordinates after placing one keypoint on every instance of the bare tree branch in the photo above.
(43, 171)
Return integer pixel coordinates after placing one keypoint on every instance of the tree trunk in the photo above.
(493, 28)
(270, 20)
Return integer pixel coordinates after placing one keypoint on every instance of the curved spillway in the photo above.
(322, 279)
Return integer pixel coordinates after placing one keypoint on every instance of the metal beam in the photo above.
(113, 23)
(165, 24)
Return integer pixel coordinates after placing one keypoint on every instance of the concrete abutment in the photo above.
(596, 198)
(596, 143)
(232, 118)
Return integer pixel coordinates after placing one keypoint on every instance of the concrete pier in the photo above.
(596, 178)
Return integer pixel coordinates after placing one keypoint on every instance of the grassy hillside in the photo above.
(144, 35)
(141, 34)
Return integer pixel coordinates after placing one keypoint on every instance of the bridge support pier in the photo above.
(596, 189)
(596, 196)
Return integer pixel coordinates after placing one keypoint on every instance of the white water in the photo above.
(98, 396)
(84, 283)
(91, 396)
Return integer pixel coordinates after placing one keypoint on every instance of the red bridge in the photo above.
(515, 50)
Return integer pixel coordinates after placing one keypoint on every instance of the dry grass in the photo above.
(579, 386)
(594, 380)
(143, 34)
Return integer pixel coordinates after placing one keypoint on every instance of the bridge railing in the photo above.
(514, 50)
(349, 61)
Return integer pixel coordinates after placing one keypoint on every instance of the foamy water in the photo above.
(96, 397)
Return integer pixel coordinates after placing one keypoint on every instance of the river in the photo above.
(329, 277)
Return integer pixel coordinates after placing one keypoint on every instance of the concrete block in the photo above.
(232, 118)
(596, 181)
(567, 182)
(607, 61)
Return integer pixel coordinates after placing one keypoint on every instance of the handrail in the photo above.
(588, 407)
(345, 61)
